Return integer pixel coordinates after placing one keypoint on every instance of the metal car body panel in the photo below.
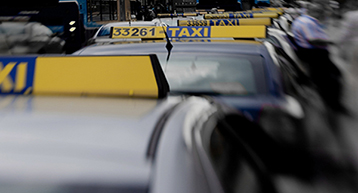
(78, 139)
(101, 144)
(176, 171)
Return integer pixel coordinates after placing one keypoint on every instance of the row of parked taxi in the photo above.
(194, 104)
(244, 59)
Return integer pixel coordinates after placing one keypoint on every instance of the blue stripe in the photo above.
(12, 75)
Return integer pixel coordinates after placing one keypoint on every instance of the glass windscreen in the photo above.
(104, 31)
(228, 74)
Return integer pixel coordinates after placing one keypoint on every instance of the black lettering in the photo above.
(126, 31)
(117, 32)
(143, 32)
(135, 30)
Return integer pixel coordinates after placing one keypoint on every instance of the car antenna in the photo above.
(169, 45)
(130, 19)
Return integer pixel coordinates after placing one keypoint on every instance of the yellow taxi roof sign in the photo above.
(241, 15)
(176, 14)
(269, 8)
(249, 31)
(259, 11)
(137, 32)
(226, 22)
(133, 76)
(208, 10)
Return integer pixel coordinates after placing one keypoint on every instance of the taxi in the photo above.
(171, 19)
(235, 65)
(105, 124)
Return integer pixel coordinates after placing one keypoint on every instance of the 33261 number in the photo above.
(134, 32)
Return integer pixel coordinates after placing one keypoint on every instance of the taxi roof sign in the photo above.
(134, 76)
(226, 22)
(176, 14)
(241, 15)
(258, 11)
(252, 31)
(269, 8)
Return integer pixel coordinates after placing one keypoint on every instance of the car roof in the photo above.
(182, 45)
(173, 21)
(78, 140)
(131, 23)
(60, 128)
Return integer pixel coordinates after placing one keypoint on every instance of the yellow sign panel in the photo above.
(249, 31)
(226, 22)
(139, 76)
(280, 9)
(137, 32)
(176, 14)
(239, 31)
(259, 11)
(109, 75)
(265, 10)
(208, 10)
(241, 15)
(218, 32)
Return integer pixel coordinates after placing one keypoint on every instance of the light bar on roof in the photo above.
(226, 22)
(258, 31)
(176, 14)
(269, 9)
(133, 76)
(241, 15)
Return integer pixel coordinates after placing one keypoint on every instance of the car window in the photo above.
(229, 74)
(104, 31)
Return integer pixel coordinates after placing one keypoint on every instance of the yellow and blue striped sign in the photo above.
(226, 22)
(83, 75)
(241, 15)
(254, 31)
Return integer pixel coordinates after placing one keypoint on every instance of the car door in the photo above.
(222, 148)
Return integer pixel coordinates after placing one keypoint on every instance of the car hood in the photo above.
(77, 140)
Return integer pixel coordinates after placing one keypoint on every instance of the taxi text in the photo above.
(190, 32)
(13, 76)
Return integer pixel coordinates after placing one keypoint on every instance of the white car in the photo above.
(173, 21)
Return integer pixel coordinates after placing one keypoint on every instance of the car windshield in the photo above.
(224, 74)
(104, 31)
